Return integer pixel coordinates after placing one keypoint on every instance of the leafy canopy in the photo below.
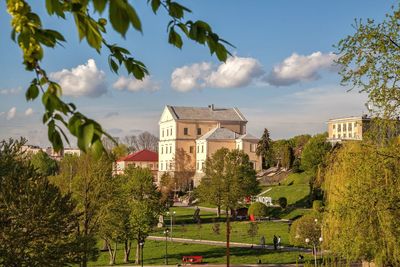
(33, 37)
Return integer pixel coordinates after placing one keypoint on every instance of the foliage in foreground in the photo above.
(32, 38)
(363, 211)
(38, 224)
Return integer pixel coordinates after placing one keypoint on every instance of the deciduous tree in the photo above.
(38, 225)
(236, 178)
(44, 164)
(362, 186)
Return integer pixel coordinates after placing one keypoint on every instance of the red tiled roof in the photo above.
(142, 155)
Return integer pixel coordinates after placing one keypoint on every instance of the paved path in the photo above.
(222, 243)
(262, 193)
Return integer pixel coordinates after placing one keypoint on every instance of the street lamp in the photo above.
(141, 244)
(314, 248)
(171, 214)
(166, 231)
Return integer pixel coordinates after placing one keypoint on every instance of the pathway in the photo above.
(222, 243)
(262, 193)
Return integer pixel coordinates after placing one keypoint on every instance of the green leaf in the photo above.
(32, 92)
(221, 52)
(118, 16)
(100, 5)
(113, 65)
(133, 17)
(174, 38)
(88, 131)
(155, 4)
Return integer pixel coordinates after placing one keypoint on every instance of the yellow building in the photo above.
(188, 135)
(349, 128)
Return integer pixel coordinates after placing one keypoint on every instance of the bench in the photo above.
(192, 259)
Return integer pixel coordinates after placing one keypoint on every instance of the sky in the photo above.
(281, 76)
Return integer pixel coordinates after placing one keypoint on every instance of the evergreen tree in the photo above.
(44, 164)
(264, 149)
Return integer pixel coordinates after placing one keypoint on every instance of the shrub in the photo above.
(296, 166)
(282, 202)
(258, 210)
(317, 205)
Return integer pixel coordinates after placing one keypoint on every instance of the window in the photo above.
(170, 165)
(339, 127)
(198, 149)
(350, 135)
(170, 130)
(202, 165)
(185, 131)
(333, 136)
(333, 126)
(197, 165)
(202, 148)
(170, 149)
(191, 149)
(344, 135)
(162, 135)
(198, 131)
(252, 164)
(349, 126)
(338, 136)
(162, 150)
(344, 127)
(253, 147)
(161, 166)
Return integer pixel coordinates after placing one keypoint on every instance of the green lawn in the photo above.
(239, 232)
(185, 216)
(295, 188)
(154, 253)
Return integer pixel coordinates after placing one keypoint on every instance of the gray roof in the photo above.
(225, 134)
(248, 137)
(220, 134)
(210, 113)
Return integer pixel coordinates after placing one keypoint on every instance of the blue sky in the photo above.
(281, 76)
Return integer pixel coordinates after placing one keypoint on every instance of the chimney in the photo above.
(211, 107)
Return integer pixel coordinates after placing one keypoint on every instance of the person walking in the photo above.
(275, 241)
(279, 241)
(262, 242)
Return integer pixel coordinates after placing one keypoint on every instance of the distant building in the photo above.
(188, 135)
(30, 149)
(348, 128)
(143, 158)
(72, 151)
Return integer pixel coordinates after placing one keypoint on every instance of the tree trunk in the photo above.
(219, 211)
(127, 250)
(228, 231)
(137, 259)
(111, 252)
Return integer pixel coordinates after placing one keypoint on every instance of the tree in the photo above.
(306, 227)
(298, 142)
(120, 151)
(282, 202)
(44, 164)
(31, 36)
(362, 202)
(184, 170)
(283, 153)
(236, 179)
(264, 149)
(258, 210)
(37, 223)
(369, 63)
(144, 140)
(252, 231)
(314, 153)
(89, 180)
(144, 202)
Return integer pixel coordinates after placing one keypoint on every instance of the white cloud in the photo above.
(235, 72)
(10, 91)
(135, 85)
(11, 113)
(186, 78)
(298, 68)
(28, 112)
(84, 80)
